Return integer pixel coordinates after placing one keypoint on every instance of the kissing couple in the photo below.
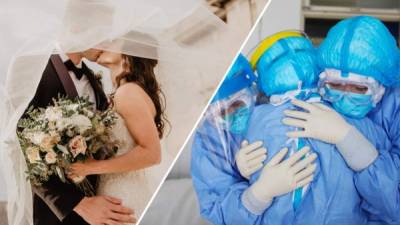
(122, 182)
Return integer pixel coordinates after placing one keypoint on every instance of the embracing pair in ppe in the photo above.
(312, 139)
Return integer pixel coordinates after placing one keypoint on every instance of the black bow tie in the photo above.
(79, 72)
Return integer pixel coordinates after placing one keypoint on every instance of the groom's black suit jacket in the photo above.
(54, 201)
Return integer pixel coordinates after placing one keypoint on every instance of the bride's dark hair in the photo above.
(141, 71)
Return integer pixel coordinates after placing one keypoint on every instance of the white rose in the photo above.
(63, 123)
(77, 145)
(51, 157)
(33, 154)
(53, 113)
(36, 137)
(82, 122)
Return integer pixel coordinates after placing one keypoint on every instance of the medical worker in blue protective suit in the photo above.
(216, 178)
(358, 56)
(220, 134)
(287, 71)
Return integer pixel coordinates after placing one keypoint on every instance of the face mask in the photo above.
(349, 104)
(237, 121)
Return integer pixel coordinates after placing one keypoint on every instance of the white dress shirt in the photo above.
(82, 86)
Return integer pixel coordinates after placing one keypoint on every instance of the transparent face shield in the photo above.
(226, 120)
(225, 124)
(231, 106)
(232, 114)
(183, 36)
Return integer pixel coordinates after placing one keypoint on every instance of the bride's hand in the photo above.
(81, 169)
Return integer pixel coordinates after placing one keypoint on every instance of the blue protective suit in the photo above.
(215, 143)
(332, 197)
(379, 184)
(364, 45)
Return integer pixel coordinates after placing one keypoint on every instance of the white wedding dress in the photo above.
(134, 188)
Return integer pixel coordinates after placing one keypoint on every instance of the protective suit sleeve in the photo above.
(378, 184)
(379, 187)
(218, 184)
(356, 150)
(253, 204)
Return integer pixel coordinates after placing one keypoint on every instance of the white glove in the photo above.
(278, 178)
(320, 122)
(325, 124)
(250, 158)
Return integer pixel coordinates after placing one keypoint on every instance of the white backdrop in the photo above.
(3, 191)
(280, 15)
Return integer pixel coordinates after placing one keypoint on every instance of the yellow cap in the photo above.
(269, 41)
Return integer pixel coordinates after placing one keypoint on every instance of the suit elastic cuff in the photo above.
(356, 150)
(254, 205)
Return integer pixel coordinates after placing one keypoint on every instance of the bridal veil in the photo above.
(190, 43)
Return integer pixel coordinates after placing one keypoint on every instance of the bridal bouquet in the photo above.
(54, 137)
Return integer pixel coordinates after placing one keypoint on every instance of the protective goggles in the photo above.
(361, 85)
(333, 95)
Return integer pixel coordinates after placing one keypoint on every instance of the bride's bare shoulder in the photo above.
(130, 96)
(129, 89)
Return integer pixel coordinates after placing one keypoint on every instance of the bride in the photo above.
(138, 102)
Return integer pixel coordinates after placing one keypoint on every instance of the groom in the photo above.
(55, 202)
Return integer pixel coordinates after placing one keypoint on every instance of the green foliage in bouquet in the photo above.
(69, 131)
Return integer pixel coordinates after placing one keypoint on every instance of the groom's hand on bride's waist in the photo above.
(104, 210)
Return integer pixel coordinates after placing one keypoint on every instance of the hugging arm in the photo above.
(378, 184)
(225, 196)
(250, 157)
(321, 122)
(218, 185)
(377, 164)
(61, 198)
